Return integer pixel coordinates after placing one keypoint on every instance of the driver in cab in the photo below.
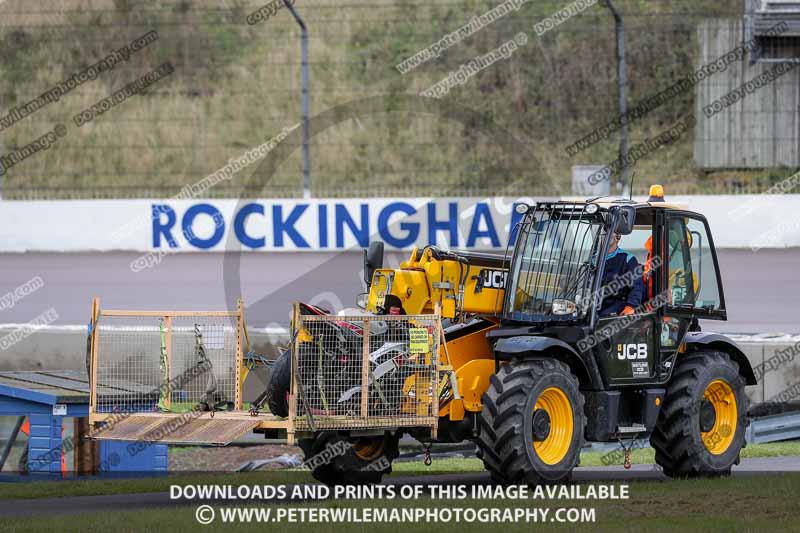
(626, 299)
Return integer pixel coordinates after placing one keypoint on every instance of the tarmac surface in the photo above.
(153, 500)
(762, 289)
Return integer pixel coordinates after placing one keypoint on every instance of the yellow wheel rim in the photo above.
(719, 438)
(368, 450)
(554, 448)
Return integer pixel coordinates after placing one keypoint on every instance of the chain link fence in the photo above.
(504, 128)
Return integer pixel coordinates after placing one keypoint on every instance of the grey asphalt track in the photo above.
(762, 289)
(153, 500)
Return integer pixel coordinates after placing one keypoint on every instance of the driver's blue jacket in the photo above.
(631, 293)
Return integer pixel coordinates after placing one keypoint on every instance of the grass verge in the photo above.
(752, 503)
(96, 487)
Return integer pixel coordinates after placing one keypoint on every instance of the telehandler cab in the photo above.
(532, 369)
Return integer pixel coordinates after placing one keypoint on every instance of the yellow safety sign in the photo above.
(418, 340)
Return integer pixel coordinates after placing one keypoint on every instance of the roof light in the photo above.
(656, 193)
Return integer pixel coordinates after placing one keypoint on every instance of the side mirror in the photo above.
(627, 217)
(373, 260)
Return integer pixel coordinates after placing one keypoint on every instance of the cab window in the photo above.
(636, 243)
(692, 275)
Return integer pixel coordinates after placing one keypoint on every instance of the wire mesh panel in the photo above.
(204, 347)
(365, 371)
(170, 363)
(128, 373)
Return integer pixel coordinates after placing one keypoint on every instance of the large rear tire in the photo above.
(532, 423)
(280, 379)
(338, 460)
(701, 426)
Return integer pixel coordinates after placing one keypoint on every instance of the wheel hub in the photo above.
(552, 425)
(708, 416)
(541, 425)
(718, 424)
(369, 449)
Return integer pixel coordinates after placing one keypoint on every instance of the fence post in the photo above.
(437, 340)
(93, 358)
(168, 372)
(365, 369)
(239, 355)
(295, 342)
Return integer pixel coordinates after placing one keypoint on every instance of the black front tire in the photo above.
(681, 448)
(506, 440)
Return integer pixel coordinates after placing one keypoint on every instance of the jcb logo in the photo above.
(631, 351)
(493, 279)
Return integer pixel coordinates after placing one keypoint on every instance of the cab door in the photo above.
(629, 355)
(692, 280)
(689, 285)
(629, 350)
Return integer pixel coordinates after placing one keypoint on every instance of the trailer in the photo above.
(176, 377)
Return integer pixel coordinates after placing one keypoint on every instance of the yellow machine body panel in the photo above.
(473, 381)
(473, 362)
(466, 348)
(424, 281)
(461, 286)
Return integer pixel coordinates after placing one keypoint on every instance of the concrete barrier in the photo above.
(64, 348)
(755, 354)
(781, 372)
(775, 358)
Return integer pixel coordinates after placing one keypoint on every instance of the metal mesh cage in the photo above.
(206, 347)
(166, 362)
(365, 371)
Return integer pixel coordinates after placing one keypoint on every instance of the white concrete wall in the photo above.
(757, 221)
(749, 221)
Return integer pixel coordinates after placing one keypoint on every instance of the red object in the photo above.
(648, 274)
(628, 310)
(317, 311)
(394, 311)
(648, 265)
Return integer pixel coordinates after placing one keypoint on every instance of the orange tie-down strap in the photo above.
(176, 429)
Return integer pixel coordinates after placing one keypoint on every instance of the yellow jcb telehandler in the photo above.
(531, 364)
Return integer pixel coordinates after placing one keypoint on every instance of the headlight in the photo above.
(591, 209)
(521, 209)
(564, 307)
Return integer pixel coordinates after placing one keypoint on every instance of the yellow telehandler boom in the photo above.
(462, 283)
(468, 288)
